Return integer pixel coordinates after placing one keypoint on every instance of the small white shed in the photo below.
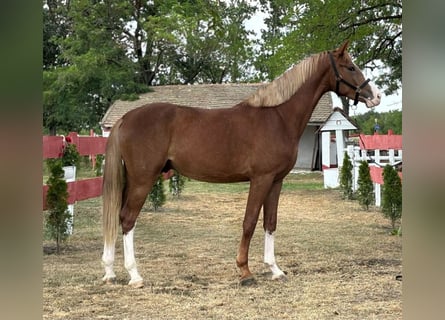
(333, 152)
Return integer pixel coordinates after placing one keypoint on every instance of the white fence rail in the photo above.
(375, 158)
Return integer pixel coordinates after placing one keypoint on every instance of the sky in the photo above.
(388, 103)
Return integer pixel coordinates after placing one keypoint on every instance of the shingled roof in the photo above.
(205, 96)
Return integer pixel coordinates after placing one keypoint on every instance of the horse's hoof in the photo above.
(280, 277)
(247, 282)
(109, 281)
(137, 285)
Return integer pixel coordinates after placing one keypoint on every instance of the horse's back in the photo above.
(149, 114)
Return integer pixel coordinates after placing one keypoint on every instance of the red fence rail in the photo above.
(384, 142)
(380, 142)
(86, 145)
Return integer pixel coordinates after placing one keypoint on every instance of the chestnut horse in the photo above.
(255, 140)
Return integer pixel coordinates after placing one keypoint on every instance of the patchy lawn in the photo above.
(341, 261)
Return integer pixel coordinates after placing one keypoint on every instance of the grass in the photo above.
(341, 261)
(302, 181)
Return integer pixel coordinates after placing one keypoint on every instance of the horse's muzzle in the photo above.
(374, 98)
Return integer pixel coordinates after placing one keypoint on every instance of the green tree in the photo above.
(57, 202)
(56, 26)
(346, 178)
(365, 189)
(92, 68)
(210, 43)
(98, 51)
(157, 194)
(386, 120)
(392, 195)
(296, 29)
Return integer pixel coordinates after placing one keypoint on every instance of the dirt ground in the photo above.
(340, 261)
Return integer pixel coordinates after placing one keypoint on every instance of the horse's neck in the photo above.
(298, 109)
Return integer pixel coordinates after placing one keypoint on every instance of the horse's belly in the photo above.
(211, 168)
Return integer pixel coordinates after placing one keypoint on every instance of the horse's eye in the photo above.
(351, 68)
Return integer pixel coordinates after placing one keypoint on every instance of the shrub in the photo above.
(157, 194)
(346, 178)
(57, 202)
(71, 156)
(176, 184)
(98, 168)
(365, 189)
(392, 195)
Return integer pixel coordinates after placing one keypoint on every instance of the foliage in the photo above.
(296, 29)
(176, 184)
(70, 156)
(96, 52)
(365, 189)
(386, 120)
(98, 167)
(157, 194)
(346, 178)
(57, 203)
(392, 195)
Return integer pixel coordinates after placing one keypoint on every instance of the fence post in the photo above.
(392, 159)
(92, 156)
(70, 176)
(377, 194)
(377, 156)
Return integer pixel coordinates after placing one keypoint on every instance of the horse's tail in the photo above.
(113, 186)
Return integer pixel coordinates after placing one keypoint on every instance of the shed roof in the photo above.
(381, 142)
(339, 120)
(205, 96)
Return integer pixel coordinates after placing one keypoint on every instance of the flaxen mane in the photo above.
(282, 88)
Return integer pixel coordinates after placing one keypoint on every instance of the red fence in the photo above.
(380, 142)
(81, 189)
(383, 142)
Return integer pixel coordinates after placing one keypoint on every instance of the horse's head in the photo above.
(348, 80)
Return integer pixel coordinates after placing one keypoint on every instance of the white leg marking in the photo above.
(269, 255)
(130, 261)
(107, 262)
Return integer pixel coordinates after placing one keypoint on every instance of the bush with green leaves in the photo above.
(157, 194)
(58, 216)
(98, 167)
(176, 184)
(70, 156)
(392, 195)
(365, 189)
(346, 178)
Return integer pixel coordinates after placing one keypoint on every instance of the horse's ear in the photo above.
(343, 48)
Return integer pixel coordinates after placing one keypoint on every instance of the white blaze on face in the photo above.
(375, 101)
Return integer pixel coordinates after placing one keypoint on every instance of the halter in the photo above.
(339, 79)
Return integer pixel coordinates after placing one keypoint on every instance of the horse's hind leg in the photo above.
(136, 280)
(134, 198)
(108, 260)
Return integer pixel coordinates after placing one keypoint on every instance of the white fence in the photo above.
(377, 160)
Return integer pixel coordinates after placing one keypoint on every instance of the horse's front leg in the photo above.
(259, 189)
(270, 224)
